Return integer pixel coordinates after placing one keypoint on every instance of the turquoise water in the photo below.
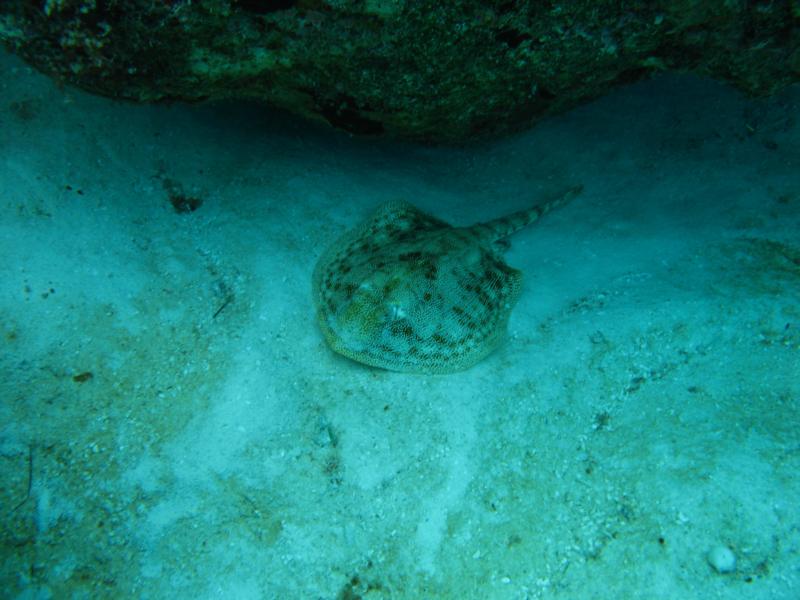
(173, 425)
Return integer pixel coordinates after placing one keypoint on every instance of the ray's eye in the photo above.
(395, 312)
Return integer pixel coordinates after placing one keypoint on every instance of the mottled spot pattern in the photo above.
(407, 292)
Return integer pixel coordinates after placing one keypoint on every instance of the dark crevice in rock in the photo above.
(512, 37)
(264, 7)
(342, 112)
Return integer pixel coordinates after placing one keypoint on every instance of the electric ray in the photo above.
(406, 291)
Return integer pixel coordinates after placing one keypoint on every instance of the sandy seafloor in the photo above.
(644, 410)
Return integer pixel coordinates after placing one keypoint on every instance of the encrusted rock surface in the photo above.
(420, 69)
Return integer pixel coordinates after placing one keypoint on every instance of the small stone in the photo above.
(722, 559)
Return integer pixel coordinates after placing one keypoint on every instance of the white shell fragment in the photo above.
(722, 559)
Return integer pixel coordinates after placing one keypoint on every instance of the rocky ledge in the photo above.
(425, 70)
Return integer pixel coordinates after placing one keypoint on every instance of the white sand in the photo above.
(644, 410)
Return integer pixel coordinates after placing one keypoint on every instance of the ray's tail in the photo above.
(505, 226)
